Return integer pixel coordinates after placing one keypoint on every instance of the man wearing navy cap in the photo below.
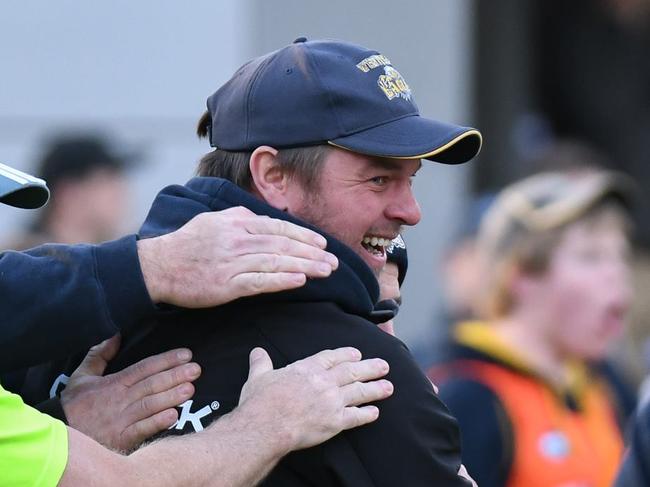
(325, 134)
(38, 450)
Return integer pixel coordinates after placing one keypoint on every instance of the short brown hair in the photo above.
(303, 163)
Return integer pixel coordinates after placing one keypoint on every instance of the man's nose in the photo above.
(404, 208)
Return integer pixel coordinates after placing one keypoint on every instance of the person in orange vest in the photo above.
(525, 384)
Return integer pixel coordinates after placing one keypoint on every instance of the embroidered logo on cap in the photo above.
(393, 84)
(372, 62)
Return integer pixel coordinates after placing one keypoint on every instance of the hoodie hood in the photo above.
(352, 286)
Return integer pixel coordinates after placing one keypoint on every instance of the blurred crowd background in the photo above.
(103, 99)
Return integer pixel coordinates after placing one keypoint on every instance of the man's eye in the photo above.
(379, 180)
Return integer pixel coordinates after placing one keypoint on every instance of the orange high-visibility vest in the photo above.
(553, 445)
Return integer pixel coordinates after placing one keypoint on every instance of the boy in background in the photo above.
(533, 405)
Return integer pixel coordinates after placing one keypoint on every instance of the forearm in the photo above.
(234, 451)
(61, 299)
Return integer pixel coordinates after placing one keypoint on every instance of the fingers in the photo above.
(141, 430)
(271, 263)
(97, 358)
(251, 283)
(164, 381)
(152, 365)
(350, 372)
(153, 404)
(110, 347)
(271, 226)
(364, 392)
(260, 363)
(280, 245)
(330, 358)
(355, 416)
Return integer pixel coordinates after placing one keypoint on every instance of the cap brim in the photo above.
(415, 137)
(21, 190)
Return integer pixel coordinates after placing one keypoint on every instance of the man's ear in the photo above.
(269, 180)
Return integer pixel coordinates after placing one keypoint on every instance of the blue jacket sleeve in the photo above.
(59, 299)
(635, 469)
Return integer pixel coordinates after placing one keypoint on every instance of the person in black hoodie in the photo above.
(324, 134)
(37, 449)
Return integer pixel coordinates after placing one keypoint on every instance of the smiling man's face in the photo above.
(361, 200)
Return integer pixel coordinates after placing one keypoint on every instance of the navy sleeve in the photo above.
(59, 299)
(635, 469)
(486, 437)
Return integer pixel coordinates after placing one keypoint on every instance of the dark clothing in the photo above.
(635, 470)
(414, 442)
(59, 299)
(481, 416)
(483, 421)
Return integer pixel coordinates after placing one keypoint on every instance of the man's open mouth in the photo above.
(376, 245)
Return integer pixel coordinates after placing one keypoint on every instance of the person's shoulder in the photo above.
(459, 389)
(328, 325)
(635, 468)
(486, 429)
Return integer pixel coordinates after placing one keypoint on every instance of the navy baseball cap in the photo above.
(21, 190)
(331, 92)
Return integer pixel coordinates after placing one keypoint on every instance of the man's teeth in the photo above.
(376, 241)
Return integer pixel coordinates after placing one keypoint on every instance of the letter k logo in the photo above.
(194, 418)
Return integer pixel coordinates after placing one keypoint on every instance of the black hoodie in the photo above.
(415, 441)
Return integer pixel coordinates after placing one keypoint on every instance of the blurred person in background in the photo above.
(89, 192)
(462, 281)
(594, 84)
(632, 353)
(535, 405)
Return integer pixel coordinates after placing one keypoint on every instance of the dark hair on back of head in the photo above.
(203, 126)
